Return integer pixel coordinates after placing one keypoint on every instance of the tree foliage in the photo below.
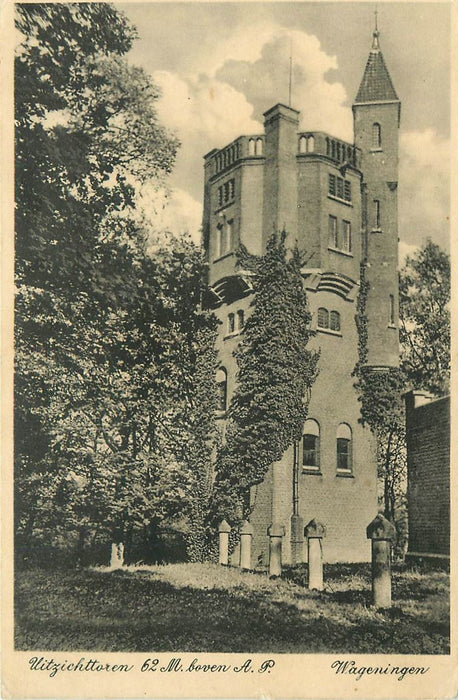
(275, 373)
(112, 429)
(425, 319)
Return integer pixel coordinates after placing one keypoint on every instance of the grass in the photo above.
(206, 608)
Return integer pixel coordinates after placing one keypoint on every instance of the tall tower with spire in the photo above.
(376, 114)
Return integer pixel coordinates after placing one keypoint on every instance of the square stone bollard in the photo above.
(314, 532)
(276, 532)
(224, 530)
(117, 555)
(246, 536)
(381, 532)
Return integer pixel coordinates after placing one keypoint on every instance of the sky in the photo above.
(221, 65)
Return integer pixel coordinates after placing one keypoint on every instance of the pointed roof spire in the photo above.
(375, 34)
(376, 85)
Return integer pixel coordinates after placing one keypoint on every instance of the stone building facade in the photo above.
(428, 475)
(339, 201)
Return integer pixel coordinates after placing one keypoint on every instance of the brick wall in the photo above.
(428, 460)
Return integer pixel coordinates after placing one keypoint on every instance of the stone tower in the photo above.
(338, 200)
(376, 113)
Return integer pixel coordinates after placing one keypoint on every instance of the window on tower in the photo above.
(221, 386)
(344, 449)
(376, 135)
(240, 319)
(229, 236)
(231, 323)
(346, 236)
(334, 321)
(339, 188)
(311, 445)
(323, 318)
(333, 231)
(377, 214)
(392, 315)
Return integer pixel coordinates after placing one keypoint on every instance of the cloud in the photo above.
(265, 81)
(424, 196)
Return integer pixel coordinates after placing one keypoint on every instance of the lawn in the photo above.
(206, 608)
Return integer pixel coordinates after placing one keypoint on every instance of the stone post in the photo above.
(276, 533)
(117, 555)
(314, 532)
(224, 530)
(246, 536)
(381, 532)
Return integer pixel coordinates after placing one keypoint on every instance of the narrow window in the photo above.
(311, 445)
(376, 135)
(302, 144)
(328, 147)
(219, 241)
(340, 188)
(347, 191)
(344, 448)
(333, 149)
(323, 318)
(240, 319)
(251, 147)
(332, 185)
(334, 321)
(231, 323)
(229, 236)
(220, 196)
(332, 231)
(226, 192)
(377, 217)
(346, 236)
(221, 386)
(259, 147)
(392, 309)
(310, 144)
(349, 154)
(231, 189)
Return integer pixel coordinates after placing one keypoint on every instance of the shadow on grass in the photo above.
(124, 611)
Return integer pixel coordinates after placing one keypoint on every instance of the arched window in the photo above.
(259, 147)
(231, 323)
(310, 144)
(344, 448)
(251, 147)
(302, 144)
(376, 135)
(311, 445)
(323, 317)
(221, 384)
(334, 321)
(240, 319)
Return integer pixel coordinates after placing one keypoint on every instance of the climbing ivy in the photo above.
(382, 408)
(276, 371)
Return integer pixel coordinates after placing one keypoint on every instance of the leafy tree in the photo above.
(108, 337)
(425, 319)
(275, 373)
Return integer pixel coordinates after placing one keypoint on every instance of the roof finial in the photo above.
(375, 33)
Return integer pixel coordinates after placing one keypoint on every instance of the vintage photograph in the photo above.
(232, 331)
